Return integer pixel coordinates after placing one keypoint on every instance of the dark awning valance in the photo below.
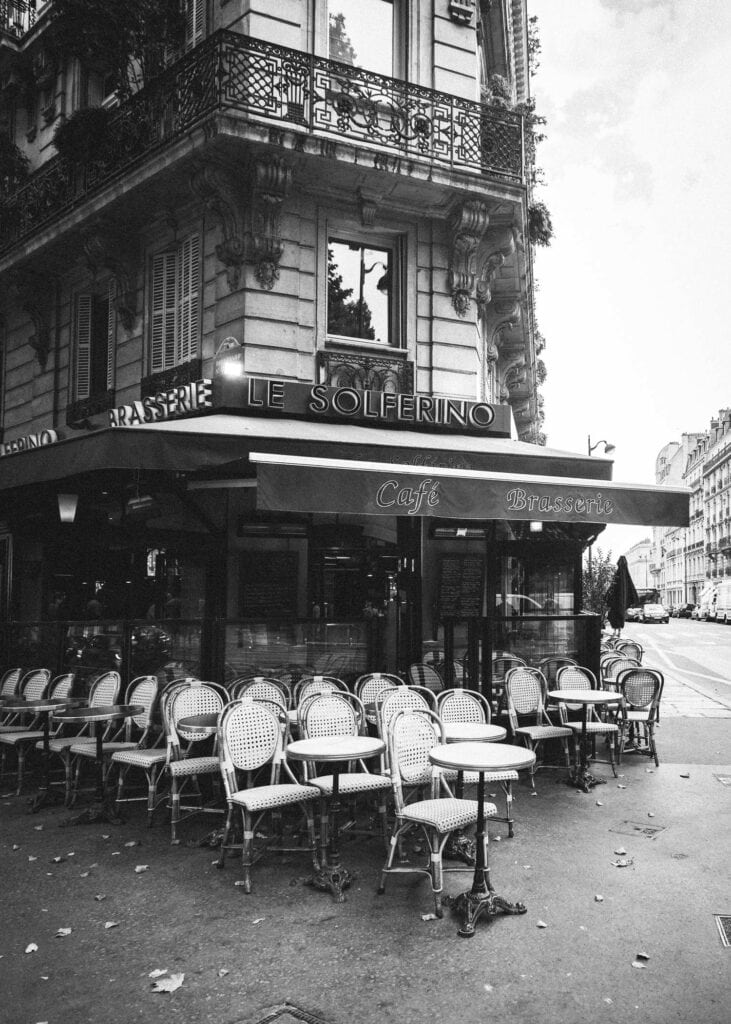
(372, 488)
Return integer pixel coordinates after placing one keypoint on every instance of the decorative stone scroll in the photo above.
(216, 188)
(495, 248)
(467, 223)
(104, 250)
(31, 291)
(271, 182)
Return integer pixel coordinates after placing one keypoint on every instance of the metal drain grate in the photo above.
(724, 928)
(635, 828)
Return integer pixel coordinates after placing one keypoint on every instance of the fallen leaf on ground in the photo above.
(168, 984)
(257, 920)
(685, 775)
(31, 948)
(133, 842)
(99, 897)
(32, 858)
(599, 803)
(140, 868)
(623, 862)
(541, 924)
(111, 924)
(158, 972)
(38, 828)
(84, 874)
(57, 860)
(620, 786)
(62, 931)
(598, 898)
(104, 837)
(428, 917)
(650, 814)
(15, 846)
(222, 972)
(620, 851)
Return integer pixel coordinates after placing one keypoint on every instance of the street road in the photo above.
(695, 659)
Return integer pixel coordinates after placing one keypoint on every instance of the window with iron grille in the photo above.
(175, 305)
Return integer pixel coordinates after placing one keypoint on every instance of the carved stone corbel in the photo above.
(271, 182)
(104, 251)
(513, 375)
(500, 316)
(467, 223)
(32, 292)
(496, 247)
(217, 190)
(368, 202)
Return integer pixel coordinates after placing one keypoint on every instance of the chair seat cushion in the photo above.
(194, 766)
(140, 758)
(444, 813)
(21, 737)
(89, 749)
(472, 778)
(637, 716)
(351, 782)
(595, 727)
(262, 798)
(543, 732)
(14, 728)
(61, 744)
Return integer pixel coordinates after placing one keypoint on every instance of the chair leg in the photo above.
(611, 739)
(70, 794)
(436, 845)
(20, 755)
(247, 849)
(383, 814)
(651, 743)
(508, 791)
(224, 841)
(153, 775)
(174, 808)
(393, 846)
(312, 835)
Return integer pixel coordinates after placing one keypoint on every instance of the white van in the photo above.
(723, 602)
(707, 604)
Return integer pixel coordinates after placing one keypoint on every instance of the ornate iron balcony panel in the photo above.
(16, 17)
(231, 72)
(80, 411)
(175, 377)
(366, 372)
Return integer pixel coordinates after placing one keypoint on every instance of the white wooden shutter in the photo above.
(111, 332)
(162, 345)
(195, 22)
(82, 331)
(188, 298)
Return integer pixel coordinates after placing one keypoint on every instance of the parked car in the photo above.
(654, 613)
(685, 611)
(633, 614)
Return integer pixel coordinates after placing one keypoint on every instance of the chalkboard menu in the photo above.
(461, 585)
(268, 583)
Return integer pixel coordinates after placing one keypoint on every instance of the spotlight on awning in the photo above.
(67, 504)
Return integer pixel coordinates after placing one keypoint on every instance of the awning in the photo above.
(289, 483)
(221, 442)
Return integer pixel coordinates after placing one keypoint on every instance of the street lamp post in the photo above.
(608, 447)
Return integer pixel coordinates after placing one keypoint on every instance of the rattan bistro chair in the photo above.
(574, 677)
(639, 712)
(426, 676)
(22, 732)
(369, 688)
(630, 649)
(470, 706)
(251, 741)
(411, 735)
(104, 690)
(525, 692)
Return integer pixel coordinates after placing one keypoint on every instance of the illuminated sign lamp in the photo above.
(228, 362)
(536, 526)
(67, 504)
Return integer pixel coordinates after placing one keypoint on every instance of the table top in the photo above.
(482, 757)
(480, 732)
(585, 696)
(102, 713)
(335, 748)
(208, 720)
(42, 704)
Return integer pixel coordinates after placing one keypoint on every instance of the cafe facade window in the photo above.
(95, 326)
(368, 34)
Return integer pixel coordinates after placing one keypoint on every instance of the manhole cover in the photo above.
(634, 828)
(724, 928)
(725, 780)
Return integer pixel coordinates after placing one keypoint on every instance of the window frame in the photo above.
(83, 347)
(400, 37)
(400, 239)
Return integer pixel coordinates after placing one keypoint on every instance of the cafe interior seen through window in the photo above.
(359, 291)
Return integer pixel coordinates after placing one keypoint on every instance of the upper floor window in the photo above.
(195, 22)
(362, 301)
(366, 34)
(94, 335)
(175, 305)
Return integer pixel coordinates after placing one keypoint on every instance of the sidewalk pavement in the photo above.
(621, 887)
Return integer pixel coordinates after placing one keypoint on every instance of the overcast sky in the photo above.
(632, 293)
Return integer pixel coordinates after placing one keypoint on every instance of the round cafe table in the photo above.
(580, 776)
(44, 708)
(481, 758)
(336, 751)
(206, 723)
(98, 717)
(460, 846)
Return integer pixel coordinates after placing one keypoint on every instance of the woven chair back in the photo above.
(105, 689)
(10, 680)
(630, 649)
(309, 685)
(143, 690)
(195, 698)
(402, 698)
(574, 677)
(250, 736)
(411, 735)
(369, 686)
(526, 691)
(60, 686)
(332, 714)
(260, 688)
(463, 706)
(641, 688)
(34, 684)
(615, 666)
(551, 664)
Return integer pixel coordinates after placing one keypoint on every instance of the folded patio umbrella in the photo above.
(621, 594)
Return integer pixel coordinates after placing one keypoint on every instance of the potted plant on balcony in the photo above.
(84, 136)
(540, 227)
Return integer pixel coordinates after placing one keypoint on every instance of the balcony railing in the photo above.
(229, 73)
(17, 17)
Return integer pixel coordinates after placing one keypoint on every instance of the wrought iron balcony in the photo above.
(17, 17)
(234, 74)
(366, 372)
